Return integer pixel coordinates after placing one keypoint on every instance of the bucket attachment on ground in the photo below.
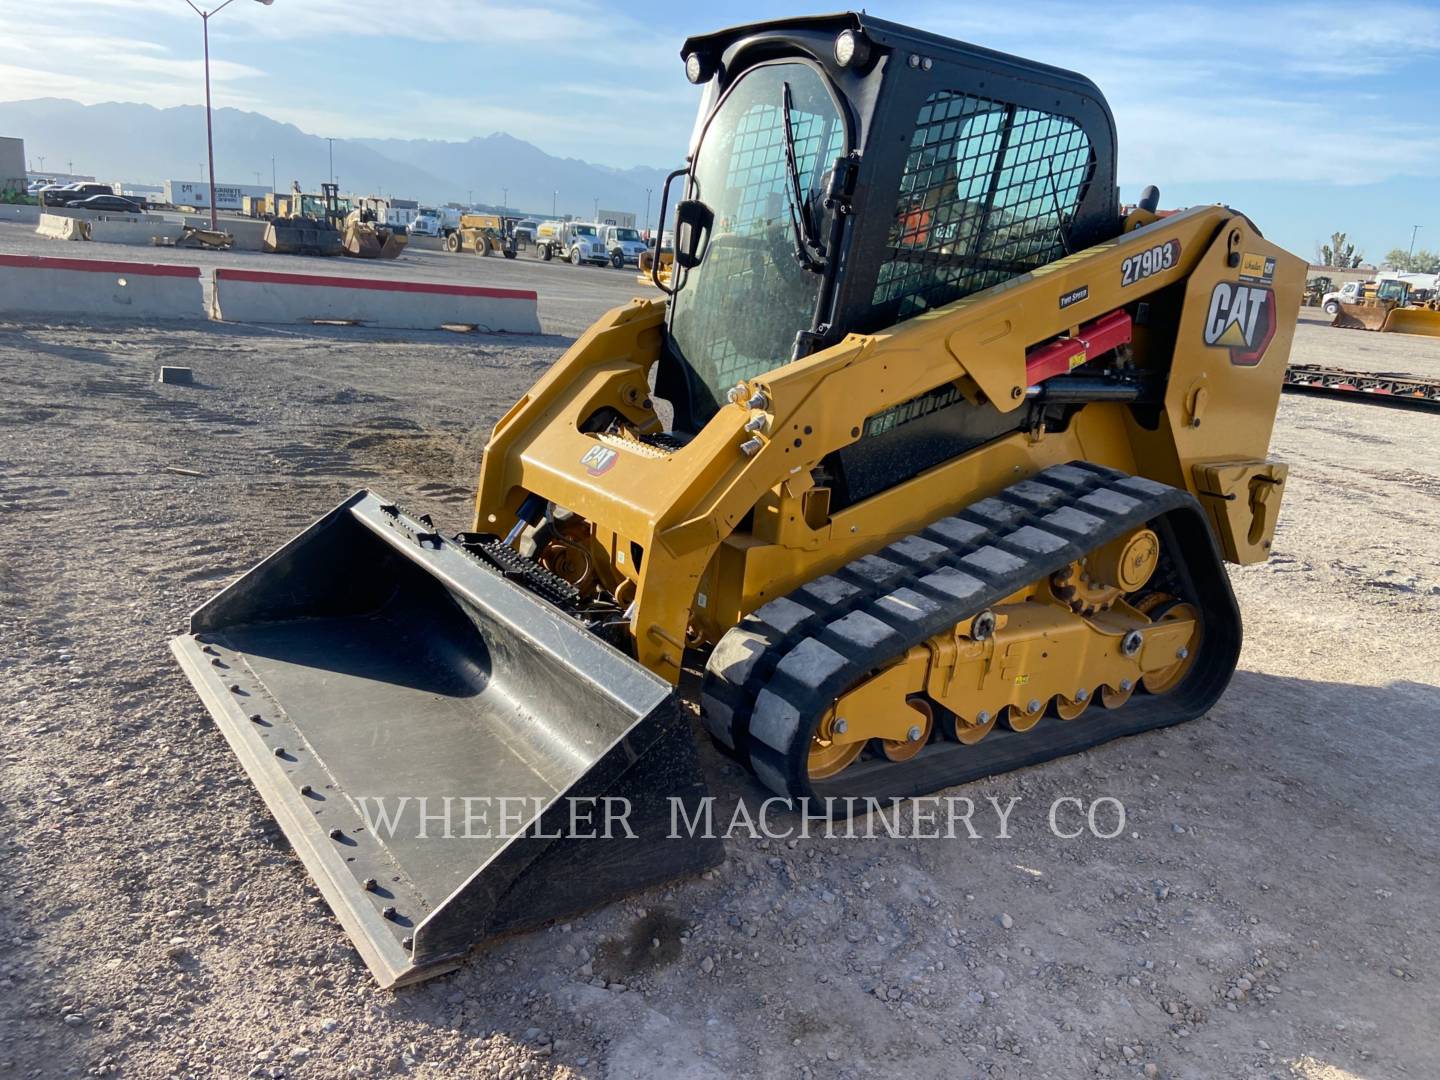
(366, 240)
(302, 236)
(373, 676)
(1366, 316)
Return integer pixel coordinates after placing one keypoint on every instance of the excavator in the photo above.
(922, 464)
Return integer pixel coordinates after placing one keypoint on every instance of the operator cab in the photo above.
(846, 173)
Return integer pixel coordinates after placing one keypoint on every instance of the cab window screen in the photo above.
(988, 192)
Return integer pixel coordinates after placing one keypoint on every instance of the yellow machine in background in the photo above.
(305, 224)
(929, 456)
(366, 238)
(648, 275)
(484, 234)
(1391, 307)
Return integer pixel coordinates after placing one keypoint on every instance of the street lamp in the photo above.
(209, 129)
(647, 208)
(332, 158)
(1413, 230)
(504, 199)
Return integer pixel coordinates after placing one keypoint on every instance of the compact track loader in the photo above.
(928, 458)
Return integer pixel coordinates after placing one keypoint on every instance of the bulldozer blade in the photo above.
(451, 757)
(1422, 321)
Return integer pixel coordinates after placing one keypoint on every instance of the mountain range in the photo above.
(140, 144)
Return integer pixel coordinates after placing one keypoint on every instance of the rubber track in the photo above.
(770, 679)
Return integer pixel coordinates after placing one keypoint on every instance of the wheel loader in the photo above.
(923, 466)
(1390, 307)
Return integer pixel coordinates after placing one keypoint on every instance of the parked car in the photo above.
(113, 203)
(65, 194)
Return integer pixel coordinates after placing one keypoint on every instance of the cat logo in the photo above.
(599, 460)
(1242, 319)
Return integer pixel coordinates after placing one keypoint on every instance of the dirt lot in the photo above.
(1270, 909)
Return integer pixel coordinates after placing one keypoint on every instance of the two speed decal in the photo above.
(1149, 262)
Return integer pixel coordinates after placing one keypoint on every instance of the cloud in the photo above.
(1259, 91)
(1200, 91)
(447, 69)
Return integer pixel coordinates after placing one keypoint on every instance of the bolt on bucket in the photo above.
(450, 756)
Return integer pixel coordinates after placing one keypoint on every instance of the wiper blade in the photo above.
(807, 247)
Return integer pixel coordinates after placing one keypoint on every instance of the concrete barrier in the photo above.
(140, 232)
(262, 296)
(62, 227)
(98, 289)
(28, 215)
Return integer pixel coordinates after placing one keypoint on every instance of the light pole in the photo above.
(332, 158)
(1413, 230)
(555, 205)
(596, 200)
(647, 208)
(504, 200)
(209, 128)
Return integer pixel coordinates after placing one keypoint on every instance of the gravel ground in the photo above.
(1269, 909)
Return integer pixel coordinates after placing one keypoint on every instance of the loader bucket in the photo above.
(392, 243)
(372, 677)
(302, 236)
(1361, 316)
(1414, 320)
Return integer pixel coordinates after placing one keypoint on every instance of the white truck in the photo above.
(432, 222)
(623, 243)
(1348, 293)
(578, 241)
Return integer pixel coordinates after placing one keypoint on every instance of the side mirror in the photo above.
(693, 222)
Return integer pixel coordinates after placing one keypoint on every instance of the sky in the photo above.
(1310, 117)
